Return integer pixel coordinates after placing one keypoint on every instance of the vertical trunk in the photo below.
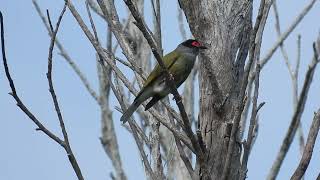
(220, 25)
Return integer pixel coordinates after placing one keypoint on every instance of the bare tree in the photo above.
(178, 144)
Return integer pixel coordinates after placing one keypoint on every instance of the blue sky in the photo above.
(28, 154)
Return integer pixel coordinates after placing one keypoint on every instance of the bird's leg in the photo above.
(171, 78)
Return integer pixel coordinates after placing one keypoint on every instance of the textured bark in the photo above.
(220, 25)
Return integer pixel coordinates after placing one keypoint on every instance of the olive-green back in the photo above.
(168, 60)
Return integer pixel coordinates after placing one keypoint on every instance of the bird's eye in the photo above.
(195, 43)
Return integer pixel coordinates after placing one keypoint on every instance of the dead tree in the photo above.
(228, 75)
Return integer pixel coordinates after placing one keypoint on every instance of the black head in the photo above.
(191, 43)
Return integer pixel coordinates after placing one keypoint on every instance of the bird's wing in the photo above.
(168, 60)
(155, 74)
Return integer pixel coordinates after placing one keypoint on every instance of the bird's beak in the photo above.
(203, 47)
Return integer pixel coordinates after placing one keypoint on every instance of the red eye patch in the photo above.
(195, 43)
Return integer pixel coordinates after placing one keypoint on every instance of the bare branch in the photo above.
(184, 158)
(91, 22)
(253, 122)
(14, 94)
(94, 6)
(113, 22)
(135, 135)
(66, 56)
(295, 119)
(282, 48)
(284, 36)
(66, 146)
(51, 89)
(244, 115)
(108, 138)
(157, 24)
(307, 153)
(292, 72)
(296, 73)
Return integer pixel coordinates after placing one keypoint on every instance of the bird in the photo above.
(179, 63)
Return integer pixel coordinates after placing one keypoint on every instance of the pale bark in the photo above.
(220, 25)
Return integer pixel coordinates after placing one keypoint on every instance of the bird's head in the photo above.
(192, 46)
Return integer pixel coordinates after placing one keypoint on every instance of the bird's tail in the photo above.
(132, 108)
(136, 103)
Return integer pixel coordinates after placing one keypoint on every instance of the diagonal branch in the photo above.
(307, 153)
(134, 132)
(253, 122)
(292, 72)
(65, 55)
(66, 146)
(282, 48)
(284, 36)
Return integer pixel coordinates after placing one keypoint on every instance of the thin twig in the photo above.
(49, 75)
(92, 23)
(14, 93)
(41, 127)
(296, 73)
(307, 153)
(244, 115)
(157, 25)
(66, 56)
(108, 138)
(292, 72)
(135, 134)
(116, 28)
(94, 6)
(183, 156)
(66, 146)
(253, 122)
(282, 48)
(284, 36)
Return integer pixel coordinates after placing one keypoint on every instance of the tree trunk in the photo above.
(219, 24)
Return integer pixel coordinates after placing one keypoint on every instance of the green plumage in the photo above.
(179, 63)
